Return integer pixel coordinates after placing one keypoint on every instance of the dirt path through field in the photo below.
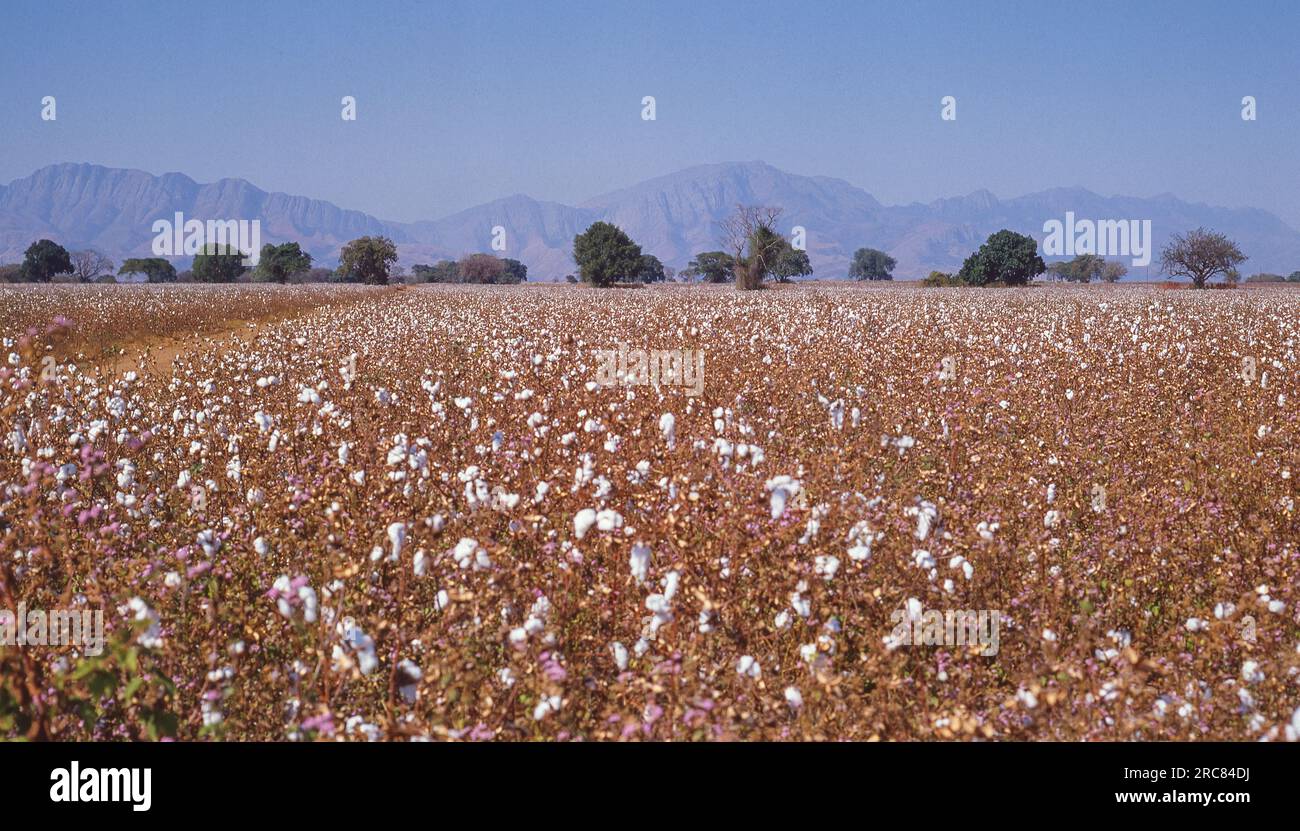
(158, 352)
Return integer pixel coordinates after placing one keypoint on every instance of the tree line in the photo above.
(370, 260)
(605, 256)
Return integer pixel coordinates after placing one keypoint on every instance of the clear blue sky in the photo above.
(462, 102)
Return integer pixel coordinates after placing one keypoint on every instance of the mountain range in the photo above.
(673, 217)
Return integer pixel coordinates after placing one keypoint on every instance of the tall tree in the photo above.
(1200, 255)
(750, 235)
(155, 269)
(1006, 257)
(1113, 271)
(277, 263)
(516, 272)
(791, 263)
(605, 254)
(481, 268)
(218, 264)
(1083, 268)
(651, 270)
(367, 260)
(711, 267)
(872, 264)
(44, 259)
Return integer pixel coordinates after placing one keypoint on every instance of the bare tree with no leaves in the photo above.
(89, 264)
(750, 235)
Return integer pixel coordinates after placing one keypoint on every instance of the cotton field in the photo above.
(336, 513)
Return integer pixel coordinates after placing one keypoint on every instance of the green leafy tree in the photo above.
(1082, 269)
(277, 263)
(443, 271)
(367, 260)
(711, 267)
(1006, 258)
(605, 254)
(1293, 277)
(652, 270)
(791, 263)
(516, 272)
(1113, 271)
(872, 264)
(155, 269)
(44, 259)
(218, 264)
(1200, 255)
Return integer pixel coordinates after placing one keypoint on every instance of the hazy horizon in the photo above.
(1113, 99)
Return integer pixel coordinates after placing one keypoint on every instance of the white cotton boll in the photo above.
(747, 666)
(1224, 610)
(1049, 636)
(583, 521)
(668, 428)
(793, 697)
(608, 520)
(545, 707)
(837, 415)
(783, 489)
(670, 582)
(310, 604)
(1051, 519)
(826, 565)
(421, 563)
(782, 620)
(801, 605)
(620, 655)
(640, 561)
(705, 621)
(926, 513)
(923, 559)
(1195, 624)
(1251, 673)
(464, 551)
(397, 537)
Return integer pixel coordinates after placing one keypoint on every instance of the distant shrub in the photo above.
(941, 278)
